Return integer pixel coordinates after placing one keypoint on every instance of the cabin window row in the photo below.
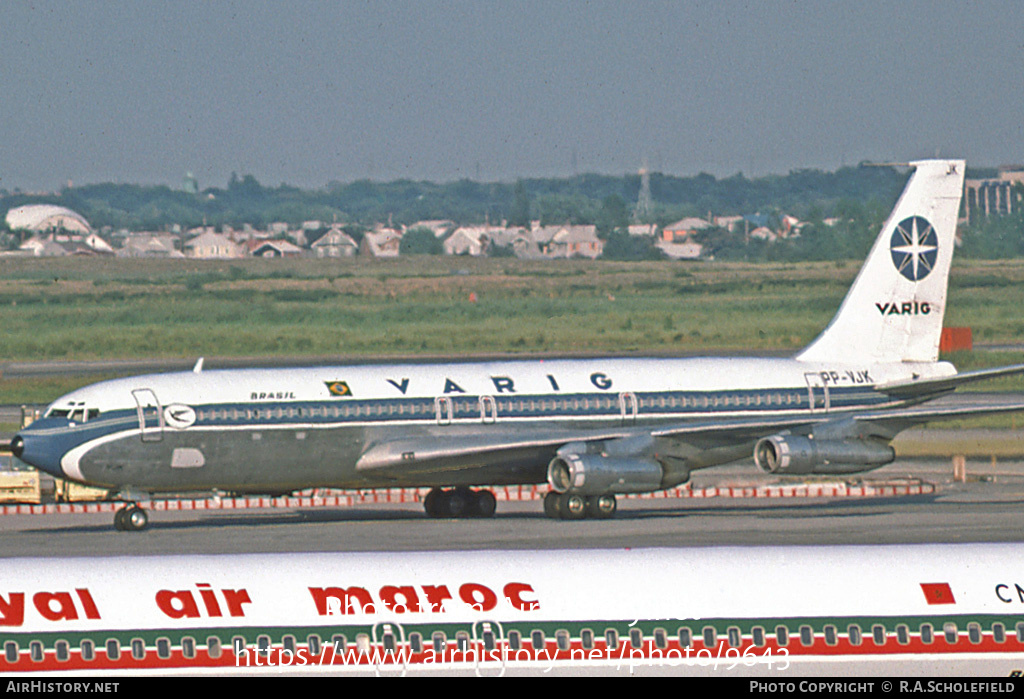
(471, 408)
(879, 634)
(438, 641)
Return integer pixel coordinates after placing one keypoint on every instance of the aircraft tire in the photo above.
(573, 507)
(601, 506)
(135, 519)
(486, 503)
(552, 504)
(460, 502)
(119, 523)
(433, 503)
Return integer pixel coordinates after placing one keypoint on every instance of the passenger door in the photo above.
(151, 414)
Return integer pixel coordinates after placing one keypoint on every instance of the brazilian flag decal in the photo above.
(338, 388)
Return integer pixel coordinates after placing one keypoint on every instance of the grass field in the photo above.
(110, 308)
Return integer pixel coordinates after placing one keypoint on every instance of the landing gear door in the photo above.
(151, 415)
(817, 392)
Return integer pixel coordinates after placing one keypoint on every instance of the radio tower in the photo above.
(643, 202)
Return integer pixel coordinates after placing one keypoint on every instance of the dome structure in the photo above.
(40, 218)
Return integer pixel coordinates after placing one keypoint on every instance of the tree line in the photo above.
(857, 197)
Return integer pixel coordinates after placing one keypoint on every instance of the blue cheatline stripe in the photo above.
(663, 405)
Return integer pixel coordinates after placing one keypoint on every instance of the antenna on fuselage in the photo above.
(198, 368)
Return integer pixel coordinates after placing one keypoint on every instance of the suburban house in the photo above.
(381, 243)
(274, 248)
(575, 241)
(39, 246)
(150, 245)
(519, 239)
(213, 246)
(470, 240)
(683, 230)
(334, 243)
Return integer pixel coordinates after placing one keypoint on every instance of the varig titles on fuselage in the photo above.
(447, 385)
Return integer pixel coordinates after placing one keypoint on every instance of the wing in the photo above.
(527, 454)
(437, 453)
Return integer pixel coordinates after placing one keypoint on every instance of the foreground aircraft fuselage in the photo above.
(864, 610)
(592, 428)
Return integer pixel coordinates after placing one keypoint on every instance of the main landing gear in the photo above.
(574, 506)
(459, 502)
(131, 518)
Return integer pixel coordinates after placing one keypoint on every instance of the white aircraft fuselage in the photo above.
(279, 430)
(864, 610)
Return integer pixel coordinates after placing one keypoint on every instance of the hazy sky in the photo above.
(309, 92)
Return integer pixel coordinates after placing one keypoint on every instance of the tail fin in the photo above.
(893, 312)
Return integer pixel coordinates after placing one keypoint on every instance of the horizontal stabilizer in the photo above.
(959, 405)
(923, 387)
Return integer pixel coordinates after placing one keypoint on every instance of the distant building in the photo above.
(683, 230)
(274, 248)
(576, 241)
(994, 197)
(729, 223)
(381, 243)
(97, 243)
(542, 236)
(789, 225)
(647, 230)
(46, 218)
(471, 240)
(39, 246)
(518, 239)
(213, 246)
(334, 243)
(150, 245)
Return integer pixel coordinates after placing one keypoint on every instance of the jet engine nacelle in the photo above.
(793, 454)
(594, 474)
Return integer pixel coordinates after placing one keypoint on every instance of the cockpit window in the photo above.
(77, 411)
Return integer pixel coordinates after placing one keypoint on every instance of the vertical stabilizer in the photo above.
(893, 312)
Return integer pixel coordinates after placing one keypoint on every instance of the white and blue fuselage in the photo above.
(277, 430)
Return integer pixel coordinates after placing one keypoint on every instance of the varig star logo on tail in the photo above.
(914, 247)
(338, 388)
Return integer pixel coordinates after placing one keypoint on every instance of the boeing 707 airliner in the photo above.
(593, 429)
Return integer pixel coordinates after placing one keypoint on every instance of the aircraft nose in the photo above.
(38, 451)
